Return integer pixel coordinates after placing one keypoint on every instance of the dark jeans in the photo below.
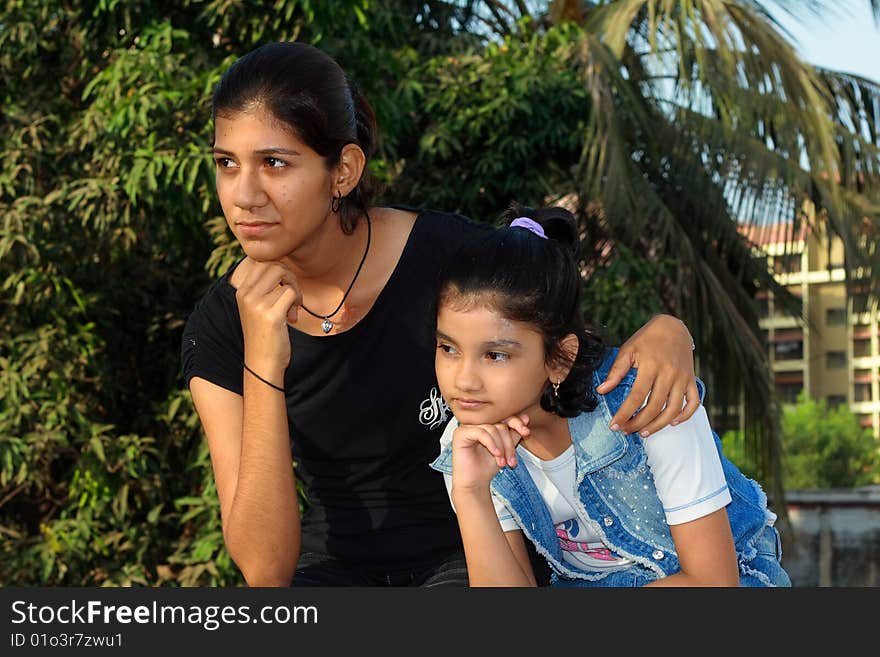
(315, 569)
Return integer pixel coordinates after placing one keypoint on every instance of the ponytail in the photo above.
(361, 197)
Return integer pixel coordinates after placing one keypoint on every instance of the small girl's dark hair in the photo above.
(305, 89)
(537, 281)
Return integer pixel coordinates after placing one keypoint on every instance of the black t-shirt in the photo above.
(363, 407)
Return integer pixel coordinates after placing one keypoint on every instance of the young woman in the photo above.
(318, 346)
(530, 455)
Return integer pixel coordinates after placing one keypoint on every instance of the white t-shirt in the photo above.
(687, 475)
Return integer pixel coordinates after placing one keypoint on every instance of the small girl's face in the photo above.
(488, 367)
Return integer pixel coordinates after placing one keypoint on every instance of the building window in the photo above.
(788, 392)
(788, 350)
(788, 263)
(860, 303)
(835, 316)
(833, 401)
(862, 392)
(861, 347)
(835, 360)
(862, 375)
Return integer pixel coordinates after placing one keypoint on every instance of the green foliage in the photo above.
(736, 450)
(621, 294)
(110, 232)
(505, 123)
(827, 448)
(824, 448)
(104, 189)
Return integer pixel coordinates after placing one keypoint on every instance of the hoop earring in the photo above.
(336, 202)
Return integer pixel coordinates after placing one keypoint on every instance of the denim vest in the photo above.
(616, 489)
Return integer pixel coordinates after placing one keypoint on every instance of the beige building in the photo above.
(835, 354)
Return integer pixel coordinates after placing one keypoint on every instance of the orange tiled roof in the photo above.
(766, 234)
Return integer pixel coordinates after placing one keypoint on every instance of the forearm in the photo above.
(685, 579)
(706, 553)
(263, 529)
(490, 560)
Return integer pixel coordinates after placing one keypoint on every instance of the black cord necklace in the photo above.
(327, 325)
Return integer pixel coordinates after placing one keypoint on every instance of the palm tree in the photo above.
(699, 119)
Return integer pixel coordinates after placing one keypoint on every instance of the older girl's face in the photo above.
(275, 191)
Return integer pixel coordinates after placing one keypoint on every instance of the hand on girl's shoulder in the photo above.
(645, 401)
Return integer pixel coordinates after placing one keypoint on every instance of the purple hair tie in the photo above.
(528, 224)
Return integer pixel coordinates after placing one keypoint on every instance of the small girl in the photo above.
(529, 455)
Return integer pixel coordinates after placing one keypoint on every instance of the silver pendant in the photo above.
(326, 325)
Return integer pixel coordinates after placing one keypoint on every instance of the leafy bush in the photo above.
(823, 448)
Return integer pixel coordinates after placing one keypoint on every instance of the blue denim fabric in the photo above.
(617, 491)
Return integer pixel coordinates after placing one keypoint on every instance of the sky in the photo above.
(845, 39)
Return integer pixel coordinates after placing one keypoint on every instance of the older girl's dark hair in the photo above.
(537, 281)
(305, 89)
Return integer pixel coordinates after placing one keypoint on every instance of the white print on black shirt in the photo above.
(433, 411)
